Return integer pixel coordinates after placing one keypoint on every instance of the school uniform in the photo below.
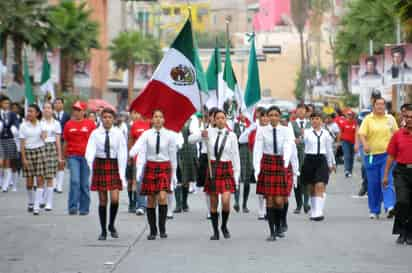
(106, 155)
(8, 149)
(319, 158)
(156, 165)
(35, 154)
(62, 117)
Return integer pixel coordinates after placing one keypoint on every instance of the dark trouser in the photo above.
(403, 187)
(301, 194)
(246, 191)
(348, 155)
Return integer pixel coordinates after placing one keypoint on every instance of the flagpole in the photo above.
(209, 163)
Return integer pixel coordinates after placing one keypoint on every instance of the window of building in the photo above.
(177, 11)
(166, 11)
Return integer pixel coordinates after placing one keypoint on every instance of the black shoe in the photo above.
(284, 228)
(391, 214)
(102, 236)
(271, 238)
(169, 217)
(132, 209)
(236, 208)
(83, 213)
(208, 217)
(73, 212)
(30, 208)
(317, 219)
(48, 209)
(113, 232)
(42, 206)
(261, 218)
(178, 210)
(401, 239)
(297, 210)
(226, 233)
(163, 235)
(186, 209)
(214, 237)
(306, 209)
(151, 237)
(245, 210)
(362, 192)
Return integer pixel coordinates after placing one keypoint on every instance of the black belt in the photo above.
(407, 166)
(106, 158)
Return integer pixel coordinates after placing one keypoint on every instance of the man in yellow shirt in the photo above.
(375, 133)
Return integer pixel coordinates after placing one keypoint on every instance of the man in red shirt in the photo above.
(400, 150)
(348, 137)
(76, 134)
(137, 202)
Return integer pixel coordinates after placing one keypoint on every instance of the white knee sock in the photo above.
(15, 179)
(318, 206)
(30, 197)
(261, 205)
(45, 194)
(59, 180)
(6, 179)
(49, 200)
(38, 198)
(170, 197)
(312, 207)
(322, 204)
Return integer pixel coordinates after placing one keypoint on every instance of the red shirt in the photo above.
(76, 134)
(340, 120)
(400, 146)
(348, 131)
(138, 127)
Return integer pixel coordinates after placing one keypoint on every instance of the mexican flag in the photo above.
(229, 80)
(214, 76)
(46, 83)
(201, 76)
(27, 83)
(173, 88)
(252, 92)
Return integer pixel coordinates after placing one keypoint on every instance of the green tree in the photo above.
(404, 10)
(75, 34)
(129, 48)
(24, 22)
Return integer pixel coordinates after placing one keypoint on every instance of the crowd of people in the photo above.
(107, 152)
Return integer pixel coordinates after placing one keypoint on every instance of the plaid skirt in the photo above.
(157, 177)
(246, 163)
(8, 148)
(273, 179)
(36, 159)
(106, 175)
(315, 169)
(223, 180)
(52, 162)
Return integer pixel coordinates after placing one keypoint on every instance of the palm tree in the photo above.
(299, 10)
(75, 34)
(25, 23)
(128, 48)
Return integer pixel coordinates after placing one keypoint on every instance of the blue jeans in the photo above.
(141, 201)
(79, 193)
(376, 192)
(348, 155)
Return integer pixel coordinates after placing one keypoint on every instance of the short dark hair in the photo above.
(60, 99)
(398, 49)
(156, 111)
(37, 108)
(109, 111)
(213, 111)
(408, 107)
(405, 106)
(220, 111)
(302, 105)
(316, 114)
(274, 108)
(371, 59)
(261, 110)
(375, 100)
(3, 98)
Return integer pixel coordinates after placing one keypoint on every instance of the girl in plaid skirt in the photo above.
(106, 155)
(156, 166)
(225, 176)
(33, 156)
(272, 153)
(54, 159)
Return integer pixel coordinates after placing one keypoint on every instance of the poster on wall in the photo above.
(371, 78)
(398, 64)
(354, 79)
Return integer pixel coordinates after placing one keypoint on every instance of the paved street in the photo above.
(57, 243)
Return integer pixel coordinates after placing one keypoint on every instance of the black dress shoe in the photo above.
(297, 211)
(271, 238)
(236, 208)
(362, 192)
(306, 209)
(186, 209)
(317, 219)
(261, 218)
(280, 234)
(177, 210)
(169, 217)
(284, 228)
(245, 210)
(214, 237)
(42, 206)
(401, 239)
(151, 237)
(103, 236)
(409, 239)
(30, 208)
(226, 233)
(113, 232)
(163, 235)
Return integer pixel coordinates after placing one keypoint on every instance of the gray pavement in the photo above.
(57, 243)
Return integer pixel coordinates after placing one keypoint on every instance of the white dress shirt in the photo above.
(52, 128)
(145, 150)
(326, 142)
(264, 144)
(230, 151)
(118, 148)
(31, 134)
(195, 129)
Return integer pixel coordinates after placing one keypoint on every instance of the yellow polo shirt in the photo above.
(378, 131)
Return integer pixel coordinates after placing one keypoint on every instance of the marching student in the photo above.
(8, 147)
(156, 168)
(16, 163)
(225, 176)
(249, 137)
(62, 117)
(54, 159)
(106, 155)
(318, 163)
(271, 158)
(33, 155)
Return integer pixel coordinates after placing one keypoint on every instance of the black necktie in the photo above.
(275, 142)
(301, 124)
(318, 136)
(217, 144)
(107, 145)
(158, 143)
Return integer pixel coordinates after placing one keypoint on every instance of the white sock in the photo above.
(59, 180)
(261, 206)
(15, 180)
(38, 198)
(30, 197)
(43, 199)
(6, 179)
(170, 204)
(49, 203)
(318, 208)
(322, 205)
